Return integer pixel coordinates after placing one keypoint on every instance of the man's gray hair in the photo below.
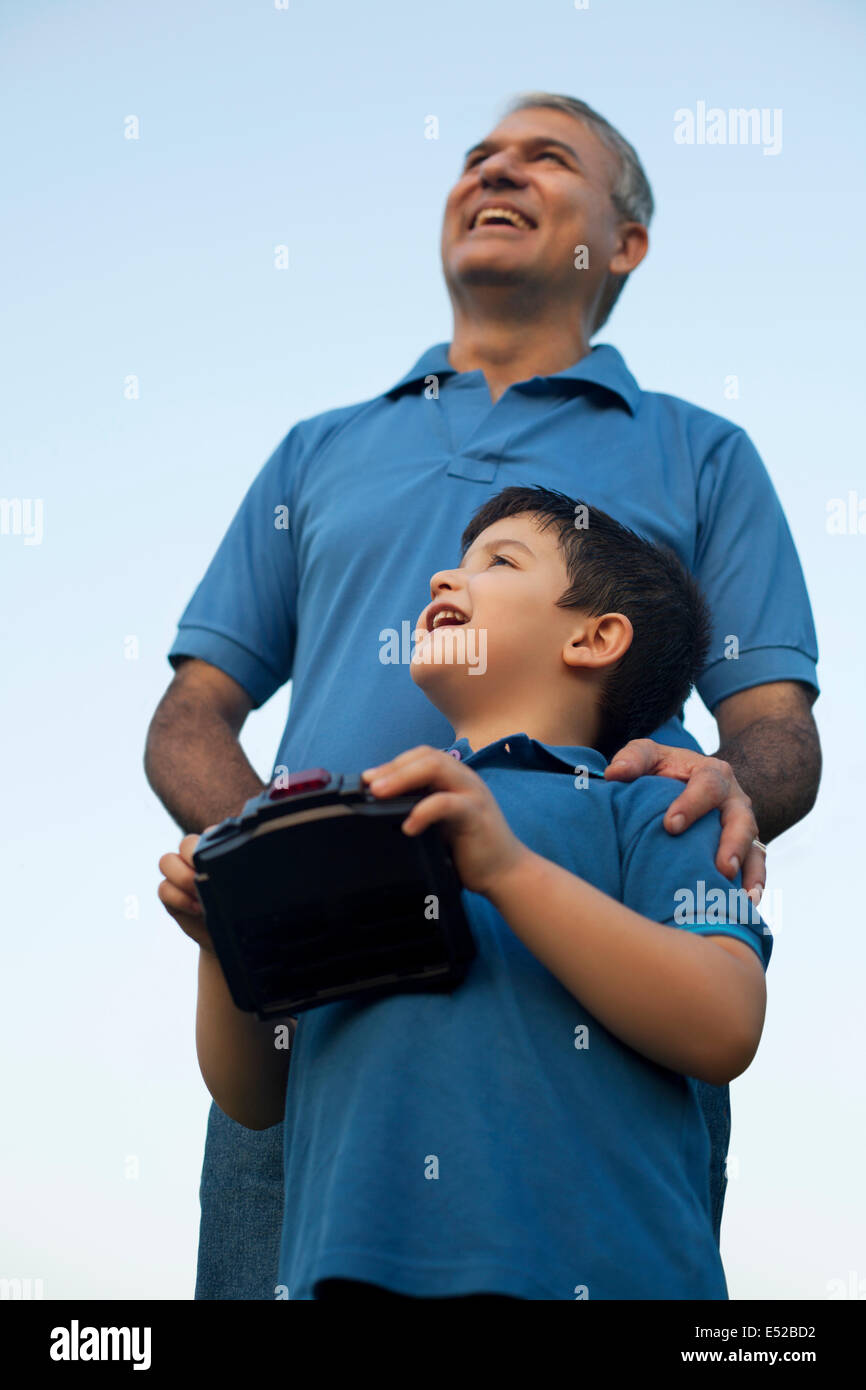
(631, 194)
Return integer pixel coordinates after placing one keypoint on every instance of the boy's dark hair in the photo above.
(612, 569)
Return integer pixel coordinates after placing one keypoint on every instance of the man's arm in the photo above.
(193, 759)
(764, 777)
(769, 738)
(746, 563)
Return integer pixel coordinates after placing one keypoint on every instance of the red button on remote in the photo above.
(312, 779)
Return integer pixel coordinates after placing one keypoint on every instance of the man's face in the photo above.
(553, 170)
(505, 592)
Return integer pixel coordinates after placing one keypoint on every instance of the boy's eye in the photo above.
(494, 558)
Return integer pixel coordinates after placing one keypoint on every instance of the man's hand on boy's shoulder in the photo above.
(482, 844)
(710, 785)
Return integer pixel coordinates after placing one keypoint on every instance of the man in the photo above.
(545, 223)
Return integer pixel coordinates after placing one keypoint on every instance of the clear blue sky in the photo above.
(155, 258)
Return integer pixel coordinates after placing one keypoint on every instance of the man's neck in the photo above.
(508, 350)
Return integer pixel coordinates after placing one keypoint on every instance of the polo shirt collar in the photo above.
(603, 366)
(527, 752)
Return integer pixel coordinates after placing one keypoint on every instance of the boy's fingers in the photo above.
(179, 875)
(175, 867)
(400, 761)
(417, 767)
(411, 755)
(438, 807)
(191, 923)
(187, 847)
(176, 900)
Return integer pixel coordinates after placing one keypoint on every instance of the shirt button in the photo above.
(455, 753)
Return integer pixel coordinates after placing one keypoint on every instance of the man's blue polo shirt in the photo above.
(327, 563)
(499, 1139)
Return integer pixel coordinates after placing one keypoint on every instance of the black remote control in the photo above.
(313, 894)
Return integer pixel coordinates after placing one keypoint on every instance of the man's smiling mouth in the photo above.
(501, 217)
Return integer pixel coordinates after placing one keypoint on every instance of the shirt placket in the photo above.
(485, 429)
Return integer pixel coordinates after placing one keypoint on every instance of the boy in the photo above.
(534, 1134)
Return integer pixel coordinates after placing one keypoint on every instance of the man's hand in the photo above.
(710, 783)
(178, 895)
(482, 845)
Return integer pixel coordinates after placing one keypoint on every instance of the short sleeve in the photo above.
(242, 617)
(747, 565)
(673, 879)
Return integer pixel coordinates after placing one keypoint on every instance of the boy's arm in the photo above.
(244, 1061)
(685, 1003)
(692, 1004)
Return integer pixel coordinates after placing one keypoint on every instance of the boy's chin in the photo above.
(424, 674)
(436, 680)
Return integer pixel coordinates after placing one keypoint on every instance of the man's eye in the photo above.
(551, 154)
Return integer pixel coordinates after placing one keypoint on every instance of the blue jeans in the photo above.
(242, 1199)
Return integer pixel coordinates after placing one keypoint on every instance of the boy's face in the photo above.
(506, 590)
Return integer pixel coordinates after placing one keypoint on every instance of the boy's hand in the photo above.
(482, 845)
(710, 783)
(178, 895)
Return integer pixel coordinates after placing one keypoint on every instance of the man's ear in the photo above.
(630, 247)
(598, 642)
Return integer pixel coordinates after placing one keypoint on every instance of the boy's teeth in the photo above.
(447, 613)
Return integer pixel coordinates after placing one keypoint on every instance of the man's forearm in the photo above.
(777, 762)
(672, 995)
(195, 763)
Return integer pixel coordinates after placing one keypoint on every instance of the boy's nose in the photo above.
(443, 580)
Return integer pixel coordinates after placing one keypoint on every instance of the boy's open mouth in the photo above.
(443, 615)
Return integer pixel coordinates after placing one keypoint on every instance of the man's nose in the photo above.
(500, 168)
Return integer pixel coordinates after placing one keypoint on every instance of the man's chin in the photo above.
(490, 272)
(490, 263)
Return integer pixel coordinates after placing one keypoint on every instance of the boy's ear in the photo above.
(598, 642)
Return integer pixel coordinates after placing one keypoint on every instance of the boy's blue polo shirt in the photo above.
(499, 1139)
(334, 544)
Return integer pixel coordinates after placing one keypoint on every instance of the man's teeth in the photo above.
(446, 615)
(497, 214)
